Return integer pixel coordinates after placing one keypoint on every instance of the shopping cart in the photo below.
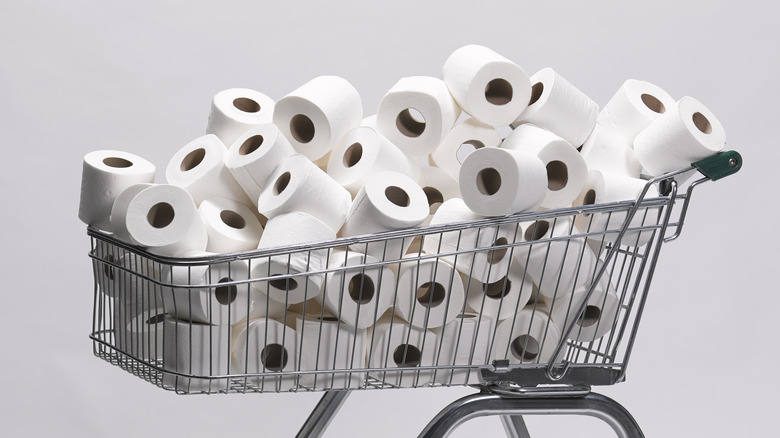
(533, 318)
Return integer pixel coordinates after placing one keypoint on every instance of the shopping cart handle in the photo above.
(719, 166)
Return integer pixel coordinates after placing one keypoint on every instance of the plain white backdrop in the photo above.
(79, 76)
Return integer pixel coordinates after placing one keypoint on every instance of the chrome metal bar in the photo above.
(323, 413)
(514, 425)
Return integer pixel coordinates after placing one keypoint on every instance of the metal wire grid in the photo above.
(130, 281)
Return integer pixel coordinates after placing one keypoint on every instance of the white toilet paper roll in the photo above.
(118, 217)
(266, 346)
(196, 352)
(558, 106)
(237, 110)
(254, 156)
(369, 121)
(495, 182)
(163, 218)
(317, 114)
(463, 139)
(231, 226)
(430, 292)
(362, 152)
(104, 175)
(199, 168)
(485, 266)
(530, 337)
(130, 282)
(387, 201)
(566, 170)
(634, 106)
(329, 344)
(438, 187)
(396, 344)
(297, 184)
(359, 296)
(604, 187)
(685, 133)
(597, 319)
(463, 341)
(142, 335)
(502, 298)
(288, 229)
(416, 114)
(487, 86)
(607, 150)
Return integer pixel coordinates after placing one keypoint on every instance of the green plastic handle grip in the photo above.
(720, 165)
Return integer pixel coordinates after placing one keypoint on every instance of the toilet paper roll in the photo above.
(163, 218)
(485, 266)
(104, 175)
(597, 319)
(487, 86)
(604, 187)
(142, 335)
(361, 153)
(127, 277)
(502, 298)
(199, 168)
(237, 110)
(558, 106)
(416, 114)
(288, 229)
(530, 337)
(297, 184)
(266, 346)
(430, 292)
(231, 226)
(566, 169)
(396, 344)
(685, 133)
(496, 182)
(329, 344)
(463, 341)
(359, 296)
(316, 115)
(607, 150)
(438, 187)
(369, 121)
(556, 262)
(387, 201)
(196, 352)
(464, 138)
(118, 217)
(254, 156)
(634, 106)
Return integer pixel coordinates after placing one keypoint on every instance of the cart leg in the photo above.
(514, 425)
(322, 414)
(478, 405)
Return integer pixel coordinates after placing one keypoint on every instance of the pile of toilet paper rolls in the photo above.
(312, 167)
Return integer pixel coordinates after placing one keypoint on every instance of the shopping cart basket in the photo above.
(541, 307)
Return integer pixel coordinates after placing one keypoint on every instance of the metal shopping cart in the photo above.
(541, 307)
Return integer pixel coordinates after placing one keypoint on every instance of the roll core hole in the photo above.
(589, 199)
(302, 128)
(498, 289)
(435, 198)
(226, 293)
(156, 319)
(488, 181)
(361, 288)
(274, 357)
(652, 103)
(431, 294)
(353, 154)
(251, 144)
(496, 255)
(536, 93)
(397, 196)
(537, 230)
(286, 284)
(160, 215)
(467, 148)
(406, 355)
(410, 122)
(117, 162)
(281, 183)
(557, 175)
(192, 160)
(590, 316)
(246, 105)
(701, 122)
(232, 219)
(498, 91)
(525, 348)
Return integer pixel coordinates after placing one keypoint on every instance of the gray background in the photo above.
(79, 76)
